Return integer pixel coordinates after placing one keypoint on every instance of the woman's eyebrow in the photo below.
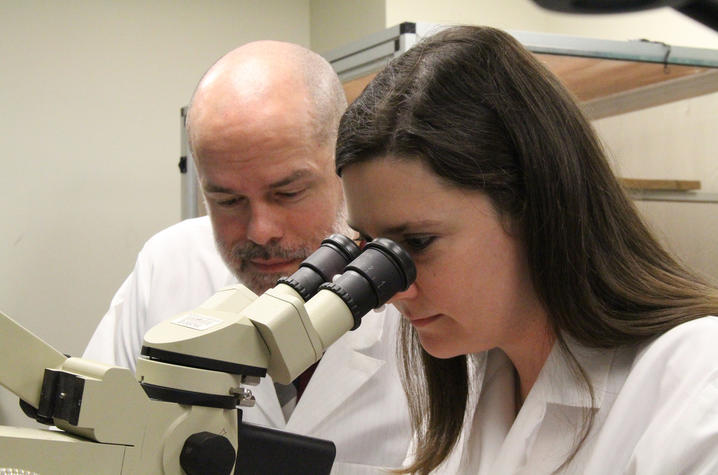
(397, 229)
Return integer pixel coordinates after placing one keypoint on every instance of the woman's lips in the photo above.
(419, 322)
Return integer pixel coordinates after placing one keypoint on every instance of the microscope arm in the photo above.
(68, 392)
(23, 356)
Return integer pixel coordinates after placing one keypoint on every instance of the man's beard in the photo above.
(238, 258)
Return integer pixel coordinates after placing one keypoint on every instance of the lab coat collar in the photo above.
(501, 440)
(557, 382)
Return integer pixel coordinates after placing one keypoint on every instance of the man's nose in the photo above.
(265, 225)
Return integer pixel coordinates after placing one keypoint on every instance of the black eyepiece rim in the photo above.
(343, 244)
(398, 255)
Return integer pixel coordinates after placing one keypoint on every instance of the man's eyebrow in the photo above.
(294, 176)
(212, 188)
(297, 175)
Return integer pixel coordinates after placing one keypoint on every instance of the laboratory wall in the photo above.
(662, 24)
(90, 93)
(334, 23)
(676, 140)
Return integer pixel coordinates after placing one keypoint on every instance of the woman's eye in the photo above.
(418, 243)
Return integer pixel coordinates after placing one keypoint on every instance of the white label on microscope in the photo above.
(197, 322)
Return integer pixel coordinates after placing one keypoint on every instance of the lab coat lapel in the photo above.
(493, 416)
(344, 369)
(545, 428)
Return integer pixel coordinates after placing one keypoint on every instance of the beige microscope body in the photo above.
(194, 372)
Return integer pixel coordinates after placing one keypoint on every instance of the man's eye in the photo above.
(229, 202)
(290, 195)
(418, 243)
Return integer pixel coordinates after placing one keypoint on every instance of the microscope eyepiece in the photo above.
(328, 260)
(369, 281)
(403, 265)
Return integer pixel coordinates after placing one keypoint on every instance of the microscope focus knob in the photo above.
(205, 453)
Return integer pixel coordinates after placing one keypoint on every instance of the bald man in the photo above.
(262, 128)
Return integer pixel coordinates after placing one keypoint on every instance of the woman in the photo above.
(547, 330)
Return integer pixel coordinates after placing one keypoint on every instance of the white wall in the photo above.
(90, 93)
(677, 141)
(334, 23)
(659, 24)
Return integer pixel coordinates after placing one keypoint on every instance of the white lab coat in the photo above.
(354, 398)
(656, 411)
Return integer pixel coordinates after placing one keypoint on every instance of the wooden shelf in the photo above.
(607, 87)
(667, 190)
(632, 86)
(607, 77)
(660, 185)
(353, 88)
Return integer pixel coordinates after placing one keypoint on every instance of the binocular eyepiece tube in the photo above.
(329, 259)
(362, 279)
(369, 281)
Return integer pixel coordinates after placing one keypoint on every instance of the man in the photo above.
(262, 127)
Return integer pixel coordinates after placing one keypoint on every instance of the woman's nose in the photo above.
(407, 294)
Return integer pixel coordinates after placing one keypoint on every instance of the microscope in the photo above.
(181, 410)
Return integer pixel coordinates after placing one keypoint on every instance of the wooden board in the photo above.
(606, 87)
(663, 185)
(591, 78)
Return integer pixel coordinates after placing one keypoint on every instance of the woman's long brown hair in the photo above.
(485, 115)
